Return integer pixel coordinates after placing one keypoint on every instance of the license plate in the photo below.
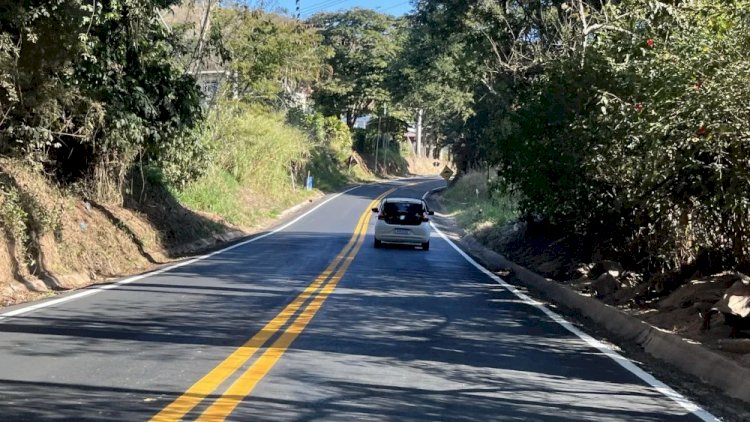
(403, 231)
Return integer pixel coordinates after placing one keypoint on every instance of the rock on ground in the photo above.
(605, 285)
(736, 300)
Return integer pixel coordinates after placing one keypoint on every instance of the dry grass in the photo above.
(423, 166)
(55, 240)
(65, 236)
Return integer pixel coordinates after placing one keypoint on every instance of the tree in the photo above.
(88, 87)
(271, 56)
(365, 44)
(622, 121)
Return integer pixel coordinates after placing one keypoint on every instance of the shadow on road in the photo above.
(407, 335)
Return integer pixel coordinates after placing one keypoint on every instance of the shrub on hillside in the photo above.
(255, 146)
(88, 88)
(640, 139)
(329, 132)
(256, 161)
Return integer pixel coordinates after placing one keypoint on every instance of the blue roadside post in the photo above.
(309, 184)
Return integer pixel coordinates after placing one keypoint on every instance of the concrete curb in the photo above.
(692, 358)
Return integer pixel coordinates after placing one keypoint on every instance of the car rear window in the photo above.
(403, 213)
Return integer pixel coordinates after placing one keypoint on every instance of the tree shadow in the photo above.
(404, 336)
(49, 400)
(117, 222)
(177, 225)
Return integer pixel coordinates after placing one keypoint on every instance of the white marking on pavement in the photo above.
(97, 289)
(605, 349)
(431, 191)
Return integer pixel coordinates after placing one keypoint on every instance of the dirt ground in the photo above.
(56, 240)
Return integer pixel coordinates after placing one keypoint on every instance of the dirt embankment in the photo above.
(54, 239)
(675, 302)
(398, 165)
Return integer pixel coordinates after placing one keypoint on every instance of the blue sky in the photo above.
(309, 7)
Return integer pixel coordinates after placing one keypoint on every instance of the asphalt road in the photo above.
(312, 323)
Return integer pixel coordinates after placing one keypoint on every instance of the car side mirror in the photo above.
(375, 210)
(430, 212)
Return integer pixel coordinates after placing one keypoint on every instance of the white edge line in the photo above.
(96, 289)
(607, 350)
(430, 192)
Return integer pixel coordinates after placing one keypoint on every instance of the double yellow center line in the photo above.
(319, 290)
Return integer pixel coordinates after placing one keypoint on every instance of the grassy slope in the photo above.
(469, 200)
(250, 179)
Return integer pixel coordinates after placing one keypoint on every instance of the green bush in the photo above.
(255, 146)
(13, 217)
(625, 121)
(328, 132)
(638, 140)
(87, 88)
(259, 164)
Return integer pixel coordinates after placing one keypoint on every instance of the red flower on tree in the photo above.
(650, 42)
(701, 131)
(638, 107)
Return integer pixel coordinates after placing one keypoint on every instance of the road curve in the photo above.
(310, 322)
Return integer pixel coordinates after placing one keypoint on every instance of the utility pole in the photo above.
(385, 149)
(197, 54)
(377, 144)
(419, 132)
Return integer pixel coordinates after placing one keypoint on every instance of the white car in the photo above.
(403, 220)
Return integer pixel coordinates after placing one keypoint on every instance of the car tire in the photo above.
(378, 244)
(426, 246)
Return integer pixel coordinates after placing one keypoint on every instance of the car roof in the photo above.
(404, 200)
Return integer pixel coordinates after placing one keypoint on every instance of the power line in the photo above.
(394, 6)
(320, 4)
(323, 5)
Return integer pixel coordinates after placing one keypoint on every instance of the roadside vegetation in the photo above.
(477, 202)
(620, 130)
(131, 133)
(619, 123)
(256, 162)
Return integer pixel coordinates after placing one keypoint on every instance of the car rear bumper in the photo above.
(387, 233)
(417, 240)
(397, 233)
